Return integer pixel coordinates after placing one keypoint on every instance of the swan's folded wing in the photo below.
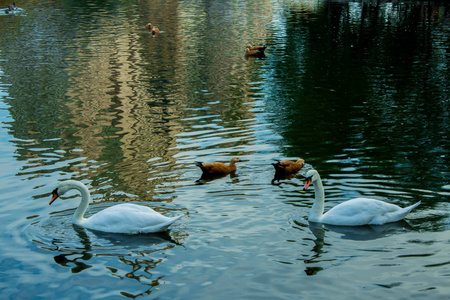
(393, 215)
(360, 211)
(128, 218)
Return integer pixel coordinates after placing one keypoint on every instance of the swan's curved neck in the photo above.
(316, 211)
(78, 216)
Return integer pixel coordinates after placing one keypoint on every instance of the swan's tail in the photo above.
(402, 213)
(159, 227)
(170, 221)
(410, 208)
(175, 218)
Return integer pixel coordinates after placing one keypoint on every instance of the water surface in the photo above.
(359, 89)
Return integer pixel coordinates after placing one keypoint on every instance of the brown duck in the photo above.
(258, 48)
(149, 26)
(286, 169)
(155, 31)
(288, 166)
(218, 168)
(255, 51)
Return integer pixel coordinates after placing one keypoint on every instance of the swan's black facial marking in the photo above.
(307, 183)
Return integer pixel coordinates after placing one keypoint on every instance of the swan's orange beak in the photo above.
(54, 196)
(307, 183)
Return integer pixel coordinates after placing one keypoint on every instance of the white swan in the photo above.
(354, 212)
(122, 218)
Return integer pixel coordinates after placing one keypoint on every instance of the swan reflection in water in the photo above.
(360, 233)
(74, 258)
(110, 244)
(356, 233)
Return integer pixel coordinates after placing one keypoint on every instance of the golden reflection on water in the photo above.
(137, 111)
(130, 92)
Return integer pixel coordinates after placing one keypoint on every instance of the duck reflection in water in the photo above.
(208, 178)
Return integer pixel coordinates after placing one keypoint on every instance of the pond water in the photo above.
(359, 89)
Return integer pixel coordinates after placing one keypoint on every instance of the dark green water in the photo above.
(359, 89)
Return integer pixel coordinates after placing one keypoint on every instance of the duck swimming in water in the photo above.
(149, 26)
(286, 169)
(155, 31)
(255, 51)
(258, 48)
(288, 166)
(218, 168)
(11, 8)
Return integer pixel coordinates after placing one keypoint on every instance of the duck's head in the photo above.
(311, 176)
(235, 159)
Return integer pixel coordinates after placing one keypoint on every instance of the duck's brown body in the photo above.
(218, 168)
(286, 169)
(259, 48)
(255, 51)
(149, 26)
(288, 166)
(155, 31)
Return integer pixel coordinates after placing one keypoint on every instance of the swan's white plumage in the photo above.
(355, 212)
(122, 218)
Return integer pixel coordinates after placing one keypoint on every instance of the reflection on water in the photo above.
(389, 108)
(355, 233)
(359, 89)
(205, 179)
(75, 257)
(133, 252)
(367, 232)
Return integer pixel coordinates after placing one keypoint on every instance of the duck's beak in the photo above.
(54, 196)
(307, 183)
